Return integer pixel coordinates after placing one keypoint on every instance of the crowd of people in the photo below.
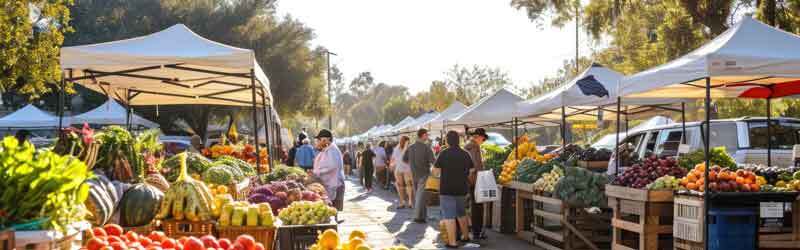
(405, 167)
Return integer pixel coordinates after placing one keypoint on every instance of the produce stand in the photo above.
(240, 190)
(496, 211)
(7, 239)
(594, 165)
(301, 237)
(523, 211)
(646, 213)
(558, 226)
(180, 228)
(263, 235)
(145, 229)
(51, 239)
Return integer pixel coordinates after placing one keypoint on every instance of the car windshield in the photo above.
(784, 134)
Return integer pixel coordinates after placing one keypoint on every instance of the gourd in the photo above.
(158, 181)
(102, 200)
(186, 198)
(139, 205)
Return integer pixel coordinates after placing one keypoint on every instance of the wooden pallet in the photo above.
(785, 238)
(558, 226)
(524, 215)
(646, 215)
(594, 165)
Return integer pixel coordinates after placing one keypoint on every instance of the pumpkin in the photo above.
(139, 205)
(102, 200)
(158, 181)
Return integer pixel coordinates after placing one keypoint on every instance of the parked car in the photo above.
(497, 139)
(745, 139)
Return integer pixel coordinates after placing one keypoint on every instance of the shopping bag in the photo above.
(486, 188)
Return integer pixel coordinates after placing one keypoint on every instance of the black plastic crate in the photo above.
(508, 223)
(301, 237)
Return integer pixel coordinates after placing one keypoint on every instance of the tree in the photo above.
(31, 34)
(338, 86)
(437, 98)
(396, 109)
(567, 72)
(473, 83)
(362, 83)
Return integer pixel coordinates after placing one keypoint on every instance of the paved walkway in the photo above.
(374, 214)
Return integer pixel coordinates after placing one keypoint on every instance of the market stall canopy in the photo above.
(29, 117)
(172, 66)
(749, 55)
(111, 113)
(397, 128)
(495, 108)
(420, 122)
(454, 110)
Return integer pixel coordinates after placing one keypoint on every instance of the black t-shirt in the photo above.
(455, 164)
(366, 158)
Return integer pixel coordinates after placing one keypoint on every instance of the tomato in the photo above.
(99, 232)
(153, 248)
(132, 236)
(259, 246)
(193, 244)
(237, 246)
(157, 236)
(118, 246)
(113, 229)
(182, 240)
(96, 244)
(209, 241)
(169, 243)
(107, 248)
(112, 239)
(145, 241)
(246, 241)
(224, 243)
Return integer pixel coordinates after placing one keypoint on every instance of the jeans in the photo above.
(367, 176)
(421, 199)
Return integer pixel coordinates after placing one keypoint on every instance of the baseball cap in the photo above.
(324, 133)
(481, 132)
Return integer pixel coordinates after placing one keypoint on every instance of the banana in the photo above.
(164, 209)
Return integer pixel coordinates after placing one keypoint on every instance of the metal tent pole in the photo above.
(128, 108)
(706, 153)
(616, 141)
(255, 120)
(683, 122)
(563, 127)
(769, 131)
(515, 134)
(61, 102)
(267, 123)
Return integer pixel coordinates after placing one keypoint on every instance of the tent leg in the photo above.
(769, 132)
(61, 102)
(563, 126)
(706, 153)
(616, 141)
(515, 134)
(255, 121)
(267, 123)
(128, 109)
(683, 122)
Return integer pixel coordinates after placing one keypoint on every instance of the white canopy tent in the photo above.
(29, 117)
(495, 109)
(420, 122)
(454, 110)
(111, 113)
(397, 127)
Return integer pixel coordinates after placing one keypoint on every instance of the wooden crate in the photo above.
(785, 238)
(7, 240)
(263, 235)
(680, 244)
(524, 215)
(688, 218)
(594, 165)
(146, 229)
(179, 228)
(642, 218)
(559, 226)
(523, 186)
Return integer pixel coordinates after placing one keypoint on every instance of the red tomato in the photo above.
(132, 236)
(112, 239)
(237, 246)
(246, 241)
(99, 232)
(224, 243)
(107, 248)
(169, 243)
(157, 236)
(209, 241)
(193, 244)
(153, 248)
(118, 246)
(145, 241)
(96, 244)
(113, 229)
(259, 246)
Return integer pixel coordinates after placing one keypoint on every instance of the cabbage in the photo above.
(263, 189)
(257, 198)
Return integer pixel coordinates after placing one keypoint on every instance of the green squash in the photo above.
(102, 200)
(139, 205)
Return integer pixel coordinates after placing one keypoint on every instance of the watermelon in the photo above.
(139, 205)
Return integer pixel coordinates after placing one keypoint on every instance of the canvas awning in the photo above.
(496, 109)
(172, 66)
(419, 122)
(749, 55)
(111, 113)
(391, 130)
(29, 117)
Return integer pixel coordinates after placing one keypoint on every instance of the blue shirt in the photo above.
(305, 156)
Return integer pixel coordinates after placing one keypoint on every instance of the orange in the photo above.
(691, 186)
(712, 176)
(691, 177)
(740, 180)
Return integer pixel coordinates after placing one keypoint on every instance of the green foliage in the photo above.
(582, 188)
(396, 109)
(472, 83)
(31, 34)
(41, 186)
(281, 172)
(718, 156)
(196, 164)
(493, 157)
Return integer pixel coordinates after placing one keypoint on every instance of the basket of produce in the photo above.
(114, 237)
(302, 223)
(239, 217)
(594, 159)
(187, 206)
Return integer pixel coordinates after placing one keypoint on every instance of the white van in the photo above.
(745, 139)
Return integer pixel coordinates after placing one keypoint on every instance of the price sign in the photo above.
(683, 148)
(771, 210)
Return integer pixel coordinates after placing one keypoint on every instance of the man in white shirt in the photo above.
(380, 162)
(329, 168)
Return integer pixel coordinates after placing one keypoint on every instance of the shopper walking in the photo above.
(404, 181)
(366, 162)
(305, 156)
(329, 168)
(455, 165)
(420, 157)
(389, 175)
(473, 147)
(379, 162)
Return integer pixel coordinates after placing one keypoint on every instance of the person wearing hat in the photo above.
(329, 168)
(473, 147)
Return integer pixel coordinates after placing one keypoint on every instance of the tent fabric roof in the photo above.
(495, 108)
(420, 122)
(397, 127)
(176, 61)
(454, 110)
(30, 117)
(595, 86)
(750, 52)
(111, 113)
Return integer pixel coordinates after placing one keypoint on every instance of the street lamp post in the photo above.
(328, 54)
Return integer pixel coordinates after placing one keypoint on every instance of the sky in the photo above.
(413, 42)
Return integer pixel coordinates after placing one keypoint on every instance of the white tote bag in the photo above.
(486, 188)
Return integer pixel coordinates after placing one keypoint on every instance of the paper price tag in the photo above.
(683, 149)
(771, 210)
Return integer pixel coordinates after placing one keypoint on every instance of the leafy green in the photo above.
(493, 157)
(281, 172)
(582, 188)
(41, 186)
(718, 156)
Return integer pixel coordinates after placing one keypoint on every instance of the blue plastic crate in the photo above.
(733, 228)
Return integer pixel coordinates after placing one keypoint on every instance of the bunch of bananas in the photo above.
(187, 198)
(509, 168)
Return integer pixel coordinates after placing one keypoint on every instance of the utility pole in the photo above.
(328, 54)
(577, 20)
